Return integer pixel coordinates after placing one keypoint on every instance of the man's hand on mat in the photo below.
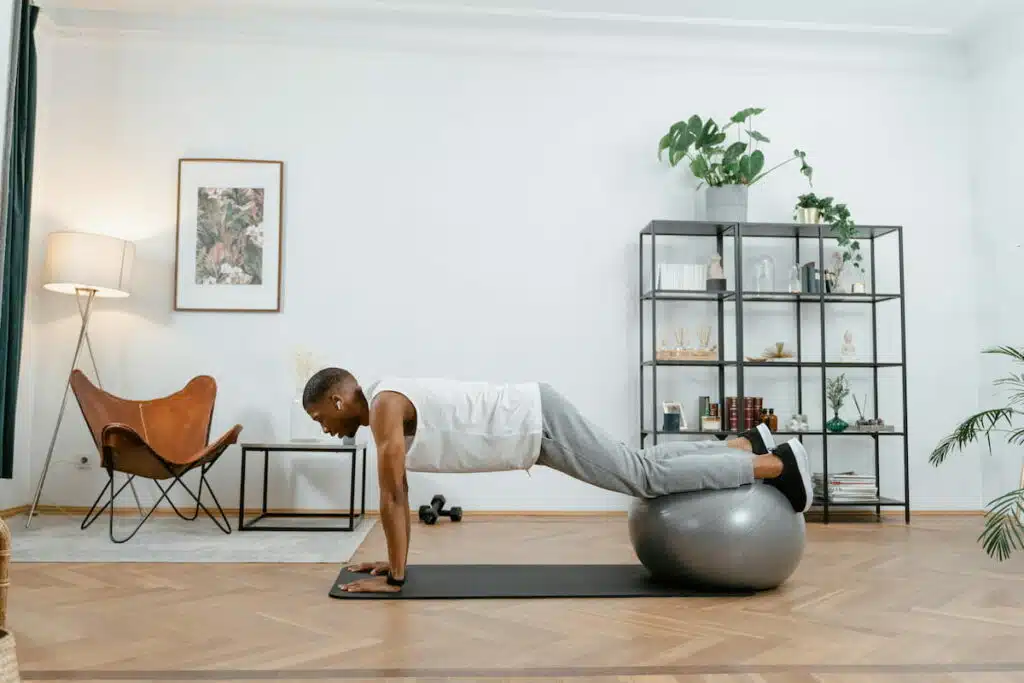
(374, 568)
(378, 584)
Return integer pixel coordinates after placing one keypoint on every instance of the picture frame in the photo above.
(673, 417)
(229, 235)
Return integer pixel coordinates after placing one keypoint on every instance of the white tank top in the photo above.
(469, 426)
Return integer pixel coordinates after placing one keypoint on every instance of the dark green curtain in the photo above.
(18, 194)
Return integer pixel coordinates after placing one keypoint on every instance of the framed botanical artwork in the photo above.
(229, 235)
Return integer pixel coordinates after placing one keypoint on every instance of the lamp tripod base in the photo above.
(83, 338)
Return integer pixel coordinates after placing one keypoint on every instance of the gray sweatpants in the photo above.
(574, 446)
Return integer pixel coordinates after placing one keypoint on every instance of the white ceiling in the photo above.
(935, 19)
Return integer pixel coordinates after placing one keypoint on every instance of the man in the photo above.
(440, 425)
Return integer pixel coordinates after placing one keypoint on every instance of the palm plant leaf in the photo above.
(1016, 354)
(1004, 525)
(967, 432)
(1004, 516)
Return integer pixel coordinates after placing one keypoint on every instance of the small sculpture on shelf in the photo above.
(776, 352)
(848, 352)
(683, 350)
(716, 275)
(798, 423)
(869, 424)
(837, 389)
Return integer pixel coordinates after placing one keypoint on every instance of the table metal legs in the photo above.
(254, 523)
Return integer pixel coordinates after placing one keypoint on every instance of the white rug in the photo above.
(58, 538)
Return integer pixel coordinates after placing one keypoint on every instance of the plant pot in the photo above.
(809, 215)
(836, 424)
(726, 204)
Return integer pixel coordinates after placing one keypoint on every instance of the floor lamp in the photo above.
(88, 266)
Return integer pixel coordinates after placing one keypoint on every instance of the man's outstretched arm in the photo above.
(387, 421)
(387, 424)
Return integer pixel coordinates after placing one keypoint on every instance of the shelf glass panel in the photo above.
(790, 230)
(777, 297)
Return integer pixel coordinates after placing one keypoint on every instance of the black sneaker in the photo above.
(760, 438)
(795, 480)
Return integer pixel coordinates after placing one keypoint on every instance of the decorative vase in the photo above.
(836, 424)
(301, 426)
(726, 204)
(808, 214)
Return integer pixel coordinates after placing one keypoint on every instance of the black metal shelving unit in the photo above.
(737, 297)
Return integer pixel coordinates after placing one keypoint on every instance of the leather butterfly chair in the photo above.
(160, 439)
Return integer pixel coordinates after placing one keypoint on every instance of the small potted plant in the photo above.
(728, 168)
(812, 209)
(836, 391)
(808, 209)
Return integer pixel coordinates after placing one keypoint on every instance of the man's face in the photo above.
(337, 414)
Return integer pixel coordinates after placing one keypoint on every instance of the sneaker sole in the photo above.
(803, 464)
(766, 437)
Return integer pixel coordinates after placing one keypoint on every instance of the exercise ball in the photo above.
(746, 538)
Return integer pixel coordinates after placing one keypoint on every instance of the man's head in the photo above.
(334, 398)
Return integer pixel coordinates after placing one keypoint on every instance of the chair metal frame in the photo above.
(113, 433)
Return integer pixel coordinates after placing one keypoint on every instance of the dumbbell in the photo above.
(431, 513)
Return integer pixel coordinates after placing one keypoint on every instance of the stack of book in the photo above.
(845, 487)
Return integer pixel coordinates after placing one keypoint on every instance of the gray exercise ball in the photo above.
(747, 538)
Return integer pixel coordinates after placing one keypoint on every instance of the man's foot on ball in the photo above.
(795, 480)
(760, 439)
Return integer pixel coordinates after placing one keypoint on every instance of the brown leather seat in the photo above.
(158, 439)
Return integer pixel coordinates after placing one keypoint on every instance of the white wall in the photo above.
(472, 210)
(997, 69)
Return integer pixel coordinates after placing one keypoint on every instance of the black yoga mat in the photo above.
(461, 581)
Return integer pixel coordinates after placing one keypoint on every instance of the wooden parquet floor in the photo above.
(870, 602)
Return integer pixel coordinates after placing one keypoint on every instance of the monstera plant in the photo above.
(712, 159)
(1004, 516)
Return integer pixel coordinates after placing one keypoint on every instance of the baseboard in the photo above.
(232, 513)
(14, 512)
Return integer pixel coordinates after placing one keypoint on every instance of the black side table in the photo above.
(302, 447)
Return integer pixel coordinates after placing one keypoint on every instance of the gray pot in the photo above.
(808, 215)
(726, 204)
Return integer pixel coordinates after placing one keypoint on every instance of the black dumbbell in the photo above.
(431, 513)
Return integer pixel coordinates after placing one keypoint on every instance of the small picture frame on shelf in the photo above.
(673, 417)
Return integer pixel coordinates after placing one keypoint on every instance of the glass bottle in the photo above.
(773, 420)
(764, 275)
(794, 280)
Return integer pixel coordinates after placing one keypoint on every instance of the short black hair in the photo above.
(321, 383)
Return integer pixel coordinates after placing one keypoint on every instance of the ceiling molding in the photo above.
(152, 14)
(439, 29)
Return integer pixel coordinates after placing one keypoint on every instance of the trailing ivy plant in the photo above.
(703, 145)
(837, 216)
(1004, 516)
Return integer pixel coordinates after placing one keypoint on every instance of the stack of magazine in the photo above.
(845, 487)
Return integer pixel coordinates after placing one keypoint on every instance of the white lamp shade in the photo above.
(85, 261)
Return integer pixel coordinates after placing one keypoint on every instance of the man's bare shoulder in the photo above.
(390, 405)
